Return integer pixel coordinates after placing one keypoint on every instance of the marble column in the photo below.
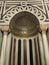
(45, 43)
(28, 53)
(0, 42)
(16, 53)
(8, 49)
(41, 49)
(33, 51)
(12, 51)
(22, 57)
(3, 47)
(37, 52)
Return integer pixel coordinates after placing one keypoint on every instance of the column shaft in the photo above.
(8, 49)
(41, 49)
(0, 42)
(3, 48)
(28, 53)
(16, 53)
(33, 49)
(45, 43)
(22, 57)
(12, 51)
(37, 51)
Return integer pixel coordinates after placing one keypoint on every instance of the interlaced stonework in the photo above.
(24, 33)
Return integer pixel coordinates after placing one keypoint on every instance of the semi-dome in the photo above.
(24, 24)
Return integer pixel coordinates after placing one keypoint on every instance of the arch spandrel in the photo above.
(29, 8)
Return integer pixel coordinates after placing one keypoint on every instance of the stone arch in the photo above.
(29, 8)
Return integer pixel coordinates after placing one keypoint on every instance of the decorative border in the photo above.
(34, 9)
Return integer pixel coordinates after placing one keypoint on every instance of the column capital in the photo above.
(4, 28)
(43, 27)
(5, 32)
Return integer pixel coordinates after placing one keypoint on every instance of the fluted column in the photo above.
(3, 47)
(45, 43)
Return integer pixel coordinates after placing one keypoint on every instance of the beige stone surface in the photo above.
(43, 27)
(20, 0)
(13, 0)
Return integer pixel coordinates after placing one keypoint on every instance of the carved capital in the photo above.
(4, 28)
(43, 27)
(5, 32)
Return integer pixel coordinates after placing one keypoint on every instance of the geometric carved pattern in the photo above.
(19, 8)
